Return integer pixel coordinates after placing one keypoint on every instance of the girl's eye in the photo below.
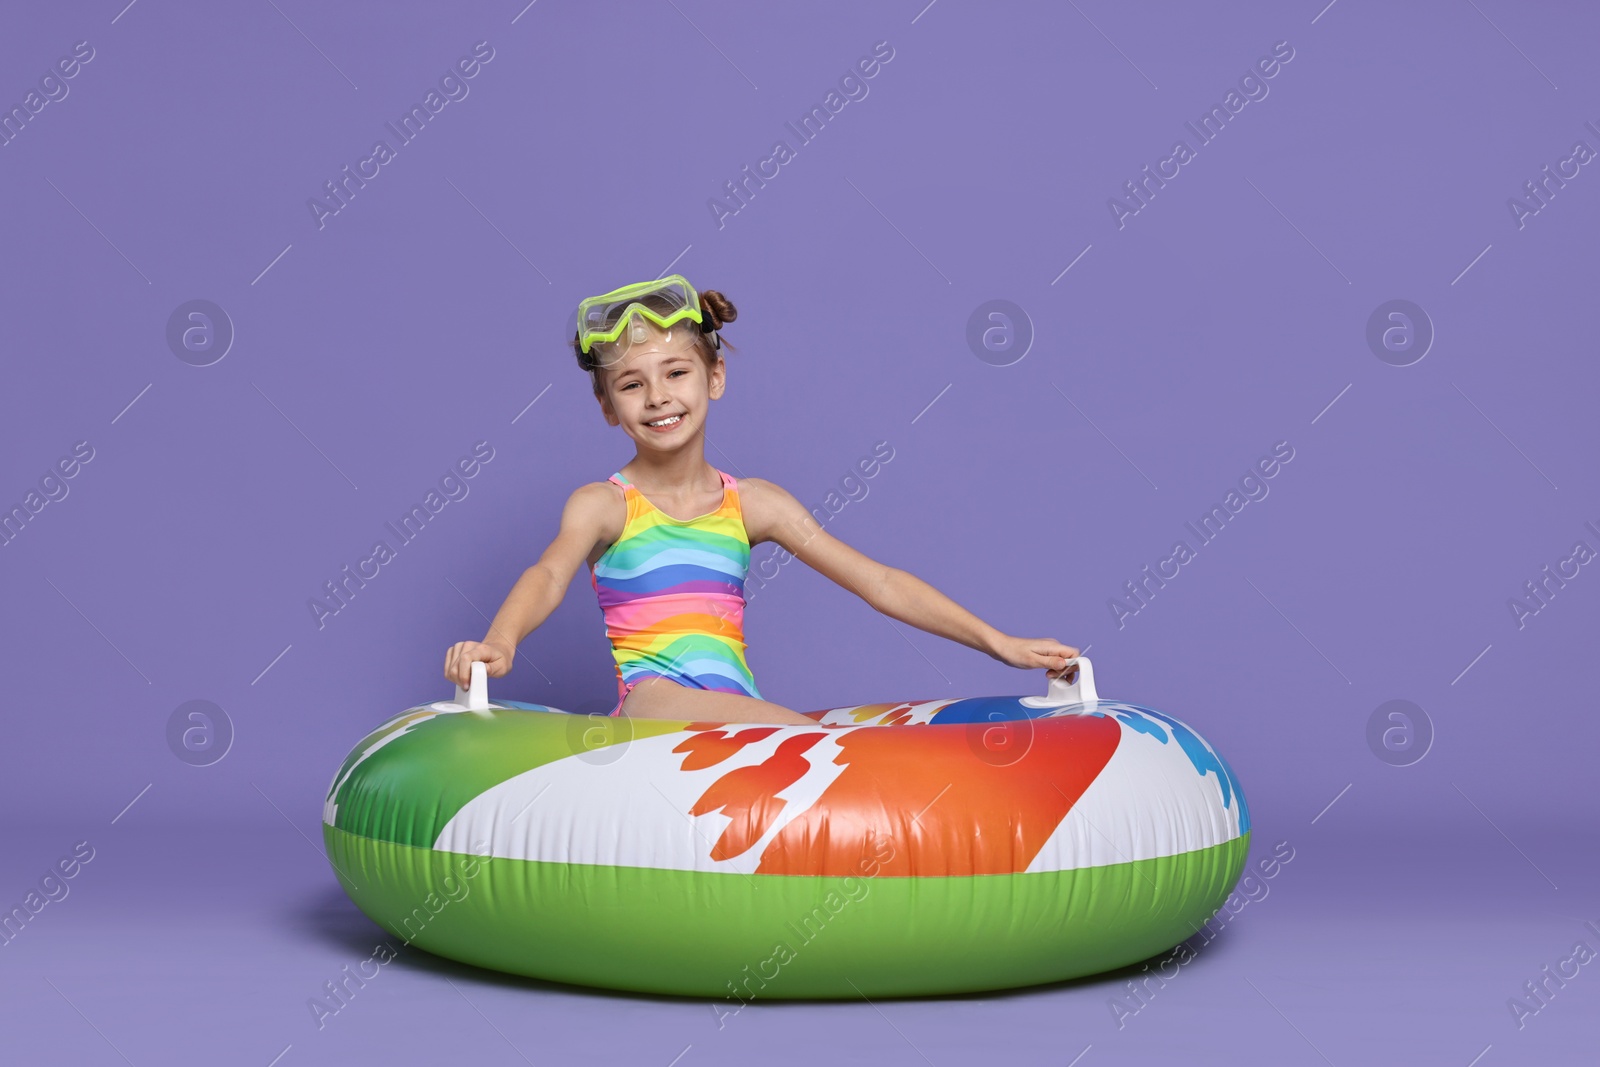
(630, 385)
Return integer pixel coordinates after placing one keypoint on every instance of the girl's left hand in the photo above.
(1031, 652)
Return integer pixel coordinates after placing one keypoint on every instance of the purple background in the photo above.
(1228, 315)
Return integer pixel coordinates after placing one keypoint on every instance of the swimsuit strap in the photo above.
(728, 480)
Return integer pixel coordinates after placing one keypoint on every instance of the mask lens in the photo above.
(666, 297)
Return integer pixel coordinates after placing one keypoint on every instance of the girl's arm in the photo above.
(781, 518)
(584, 521)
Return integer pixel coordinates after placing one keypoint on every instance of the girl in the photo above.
(667, 538)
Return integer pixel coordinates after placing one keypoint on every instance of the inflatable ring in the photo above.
(893, 849)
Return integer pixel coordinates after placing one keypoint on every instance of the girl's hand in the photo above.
(459, 658)
(1030, 652)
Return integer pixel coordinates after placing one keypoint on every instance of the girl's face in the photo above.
(656, 380)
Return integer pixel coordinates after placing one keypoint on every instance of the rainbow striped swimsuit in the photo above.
(672, 594)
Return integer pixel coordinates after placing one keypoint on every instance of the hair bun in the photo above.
(716, 309)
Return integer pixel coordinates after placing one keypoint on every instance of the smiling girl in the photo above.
(667, 538)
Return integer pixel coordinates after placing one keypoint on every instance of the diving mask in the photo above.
(619, 317)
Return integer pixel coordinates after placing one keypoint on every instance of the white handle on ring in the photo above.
(1063, 692)
(477, 697)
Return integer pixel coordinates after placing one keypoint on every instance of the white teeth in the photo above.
(669, 420)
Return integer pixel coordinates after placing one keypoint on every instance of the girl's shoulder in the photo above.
(598, 514)
(767, 507)
(599, 505)
(757, 490)
(597, 491)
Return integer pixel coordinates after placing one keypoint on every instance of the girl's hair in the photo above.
(715, 310)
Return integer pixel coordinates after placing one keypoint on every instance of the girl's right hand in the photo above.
(458, 661)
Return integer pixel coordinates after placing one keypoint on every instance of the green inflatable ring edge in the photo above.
(648, 930)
